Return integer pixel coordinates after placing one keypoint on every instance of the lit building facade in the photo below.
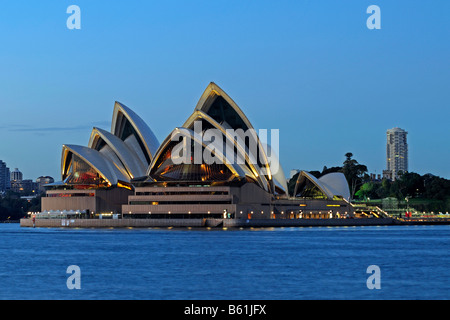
(128, 171)
(96, 178)
(247, 190)
(25, 186)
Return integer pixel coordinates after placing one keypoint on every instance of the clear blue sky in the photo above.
(309, 68)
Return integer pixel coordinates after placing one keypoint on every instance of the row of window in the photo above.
(155, 203)
(176, 216)
(70, 195)
(181, 193)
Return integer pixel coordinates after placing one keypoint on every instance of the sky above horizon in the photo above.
(311, 69)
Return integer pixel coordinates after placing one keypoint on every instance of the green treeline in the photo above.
(12, 207)
(424, 192)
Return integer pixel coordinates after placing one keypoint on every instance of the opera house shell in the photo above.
(127, 171)
(97, 178)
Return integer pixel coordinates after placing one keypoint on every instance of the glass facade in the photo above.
(193, 172)
(166, 170)
(82, 174)
(221, 111)
(307, 189)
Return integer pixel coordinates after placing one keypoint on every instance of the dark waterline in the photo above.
(272, 263)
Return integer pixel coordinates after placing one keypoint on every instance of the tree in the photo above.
(365, 191)
(330, 170)
(436, 187)
(354, 173)
(384, 189)
(12, 207)
(315, 173)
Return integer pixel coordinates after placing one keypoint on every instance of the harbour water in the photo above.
(239, 264)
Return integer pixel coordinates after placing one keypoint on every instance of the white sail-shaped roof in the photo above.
(175, 138)
(136, 134)
(219, 106)
(117, 156)
(102, 165)
(211, 93)
(331, 185)
(114, 148)
(279, 177)
(337, 184)
(241, 156)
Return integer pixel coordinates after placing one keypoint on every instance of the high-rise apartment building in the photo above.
(4, 177)
(396, 153)
(16, 175)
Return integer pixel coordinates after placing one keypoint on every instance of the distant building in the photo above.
(28, 186)
(20, 185)
(42, 181)
(4, 177)
(375, 177)
(24, 186)
(396, 153)
(387, 174)
(29, 198)
(16, 175)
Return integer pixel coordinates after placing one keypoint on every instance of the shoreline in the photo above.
(223, 223)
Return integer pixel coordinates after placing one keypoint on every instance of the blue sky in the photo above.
(309, 68)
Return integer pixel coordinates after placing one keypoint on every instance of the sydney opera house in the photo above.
(128, 173)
